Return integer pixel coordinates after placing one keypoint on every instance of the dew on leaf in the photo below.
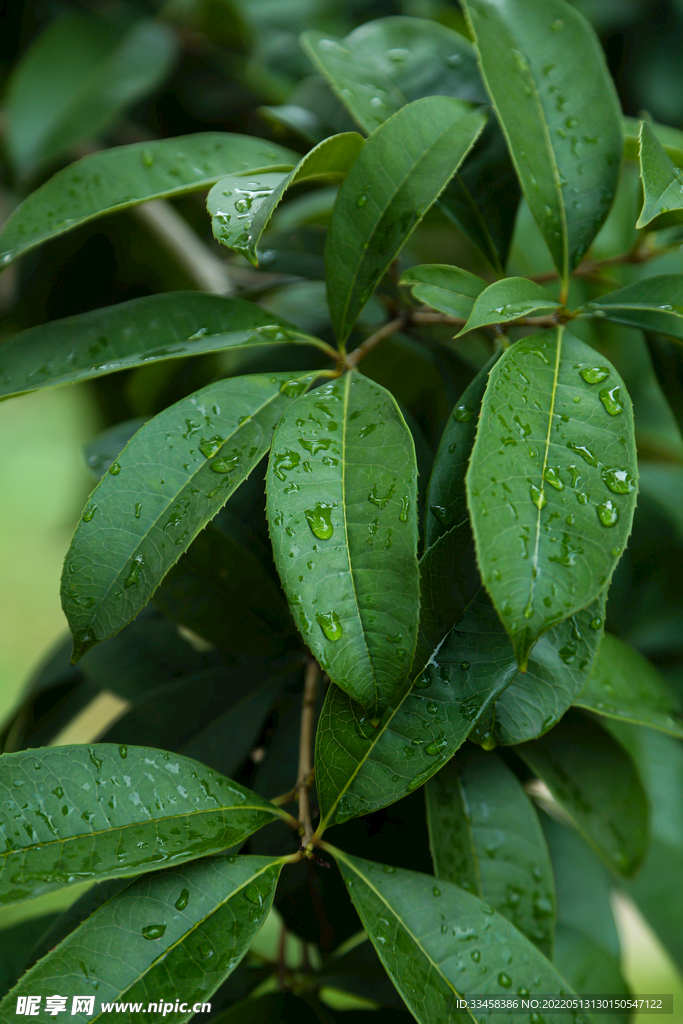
(538, 497)
(153, 931)
(330, 625)
(320, 521)
(610, 399)
(608, 512)
(594, 374)
(619, 481)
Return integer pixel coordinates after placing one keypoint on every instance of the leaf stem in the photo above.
(305, 776)
(640, 252)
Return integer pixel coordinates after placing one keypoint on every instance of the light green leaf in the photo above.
(670, 138)
(508, 300)
(552, 482)
(76, 78)
(592, 777)
(116, 179)
(73, 813)
(654, 304)
(167, 326)
(624, 685)
(661, 180)
(240, 207)
(485, 837)
(171, 479)
(563, 130)
(435, 941)
(341, 503)
(399, 173)
(448, 289)
(175, 934)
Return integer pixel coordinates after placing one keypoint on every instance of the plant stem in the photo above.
(383, 332)
(639, 252)
(305, 777)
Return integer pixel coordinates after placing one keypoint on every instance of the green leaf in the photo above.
(552, 482)
(448, 289)
(178, 933)
(592, 777)
(661, 180)
(508, 300)
(558, 667)
(167, 326)
(563, 130)
(105, 811)
(280, 1007)
(427, 936)
(399, 173)
(670, 138)
(654, 304)
(16, 944)
(446, 497)
(342, 492)
(76, 78)
(106, 447)
(485, 837)
(171, 479)
(116, 179)
(624, 685)
(240, 207)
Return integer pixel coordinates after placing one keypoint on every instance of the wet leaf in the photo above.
(448, 289)
(624, 685)
(399, 173)
(662, 183)
(186, 927)
(552, 482)
(435, 940)
(563, 130)
(485, 837)
(592, 777)
(654, 304)
(509, 300)
(240, 207)
(167, 326)
(77, 77)
(171, 479)
(125, 176)
(105, 811)
(342, 491)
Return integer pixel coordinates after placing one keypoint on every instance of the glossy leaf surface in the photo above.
(399, 173)
(116, 179)
(592, 777)
(171, 479)
(104, 811)
(654, 304)
(342, 492)
(485, 837)
(552, 482)
(563, 130)
(240, 207)
(76, 78)
(624, 685)
(508, 300)
(661, 179)
(426, 935)
(167, 326)
(193, 923)
(448, 289)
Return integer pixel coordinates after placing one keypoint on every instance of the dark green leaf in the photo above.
(360, 972)
(485, 837)
(342, 490)
(106, 811)
(272, 1008)
(399, 173)
(592, 777)
(115, 179)
(552, 482)
(670, 138)
(107, 446)
(653, 304)
(667, 362)
(76, 78)
(448, 289)
(16, 943)
(240, 207)
(662, 484)
(661, 180)
(446, 497)
(624, 685)
(428, 937)
(166, 326)
(508, 300)
(175, 934)
(563, 130)
(171, 479)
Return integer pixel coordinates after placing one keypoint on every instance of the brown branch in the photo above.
(640, 252)
(305, 776)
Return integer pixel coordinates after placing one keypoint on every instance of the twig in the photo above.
(305, 777)
(383, 332)
(640, 252)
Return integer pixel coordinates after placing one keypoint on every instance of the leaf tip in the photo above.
(82, 645)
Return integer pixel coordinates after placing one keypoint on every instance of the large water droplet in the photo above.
(114, 469)
(330, 625)
(89, 513)
(462, 414)
(608, 513)
(610, 399)
(504, 980)
(183, 899)
(538, 497)
(552, 475)
(254, 895)
(209, 446)
(133, 577)
(153, 931)
(585, 453)
(619, 481)
(319, 519)
(594, 374)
